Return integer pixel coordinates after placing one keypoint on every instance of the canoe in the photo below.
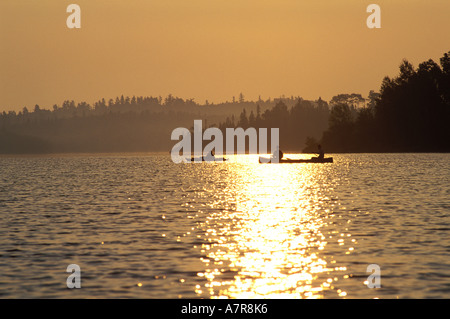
(265, 160)
(206, 159)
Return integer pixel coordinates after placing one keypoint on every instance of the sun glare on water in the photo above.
(269, 244)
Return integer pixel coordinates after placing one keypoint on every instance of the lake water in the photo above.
(140, 226)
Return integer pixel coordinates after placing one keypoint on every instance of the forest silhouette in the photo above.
(410, 114)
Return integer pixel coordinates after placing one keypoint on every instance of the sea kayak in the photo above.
(265, 160)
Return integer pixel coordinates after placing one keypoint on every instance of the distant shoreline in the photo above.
(153, 153)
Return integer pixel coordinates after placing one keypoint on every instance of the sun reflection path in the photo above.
(270, 245)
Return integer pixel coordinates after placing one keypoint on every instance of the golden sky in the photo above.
(209, 49)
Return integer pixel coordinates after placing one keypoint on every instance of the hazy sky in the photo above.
(209, 49)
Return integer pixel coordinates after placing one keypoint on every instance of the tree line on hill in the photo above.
(410, 114)
(126, 124)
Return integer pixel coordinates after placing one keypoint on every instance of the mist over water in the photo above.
(140, 226)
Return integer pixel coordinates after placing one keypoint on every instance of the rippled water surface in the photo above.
(140, 226)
